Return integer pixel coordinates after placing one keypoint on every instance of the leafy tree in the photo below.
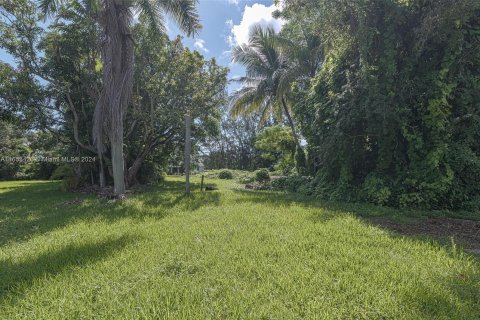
(392, 115)
(117, 52)
(234, 147)
(278, 145)
(11, 146)
(169, 82)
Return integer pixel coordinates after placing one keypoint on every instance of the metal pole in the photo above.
(188, 149)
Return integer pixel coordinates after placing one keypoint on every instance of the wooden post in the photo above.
(188, 150)
(201, 184)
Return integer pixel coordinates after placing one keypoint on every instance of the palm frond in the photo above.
(49, 7)
(246, 100)
(245, 55)
(152, 12)
(184, 12)
(264, 114)
(288, 76)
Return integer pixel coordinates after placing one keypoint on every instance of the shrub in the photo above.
(62, 172)
(151, 173)
(294, 183)
(70, 180)
(225, 174)
(246, 179)
(262, 175)
(376, 191)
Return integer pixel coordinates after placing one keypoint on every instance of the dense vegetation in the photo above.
(393, 115)
(385, 92)
(226, 254)
(52, 95)
(372, 100)
(352, 101)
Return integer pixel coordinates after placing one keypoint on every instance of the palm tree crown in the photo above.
(263, 62)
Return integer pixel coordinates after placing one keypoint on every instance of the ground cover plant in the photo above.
(224, 254)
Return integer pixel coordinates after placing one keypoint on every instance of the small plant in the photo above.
(262, 176)
(225, 174)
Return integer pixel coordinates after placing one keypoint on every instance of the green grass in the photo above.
(226, 254)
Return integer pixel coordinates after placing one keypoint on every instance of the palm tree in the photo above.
(265, 64)
(305, 57)
(117, 49)
(273, 63)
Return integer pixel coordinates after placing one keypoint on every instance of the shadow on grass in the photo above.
(401, 223)
(276, 199)
(463, 287)
(33, 208)
(285, 199)
(17, 276)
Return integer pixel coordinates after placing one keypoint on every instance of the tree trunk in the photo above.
(290, 122)
(135, 167)
(188, 150)
(118, 163)
(102, 171)
(118, 59)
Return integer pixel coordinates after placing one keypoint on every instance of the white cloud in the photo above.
(255, 14)
(200, 45)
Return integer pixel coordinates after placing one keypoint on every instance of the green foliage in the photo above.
(393, 115)
(184, 82)
(70, 179)
(246, 179)
(376, 191)
(300, 161)
(293, 183)
(225, 174)
(152, 172)
(62, 172)
(12, 146)
(262, 176)
(277, 145)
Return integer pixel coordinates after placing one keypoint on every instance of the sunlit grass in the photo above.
(226, 254)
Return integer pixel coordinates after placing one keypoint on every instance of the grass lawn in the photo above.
(225, 254)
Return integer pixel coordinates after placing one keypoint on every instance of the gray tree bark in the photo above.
(188, 150)
(118, 59)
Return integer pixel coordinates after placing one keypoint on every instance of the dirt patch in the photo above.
(464, 232)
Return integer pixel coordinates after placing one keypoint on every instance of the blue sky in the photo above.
(225, 23)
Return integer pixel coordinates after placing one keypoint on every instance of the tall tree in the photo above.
(261, 91)
(117, 51)
(169, 81)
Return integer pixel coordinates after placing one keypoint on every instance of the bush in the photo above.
(70, 181)
(246, 179)
(376, 191)
(151, 173)
(225, 175)
(293, 183)
(62, 172)
(262, 175)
